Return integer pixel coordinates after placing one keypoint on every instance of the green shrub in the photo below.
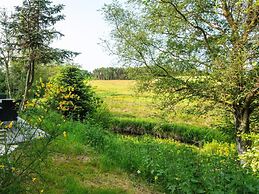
(175, 167)
(70, 95)
(21, 166)
(251, 157)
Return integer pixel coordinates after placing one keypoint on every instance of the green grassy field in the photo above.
(92, 160)
(75, 168)
(123, 100)
(74, 165)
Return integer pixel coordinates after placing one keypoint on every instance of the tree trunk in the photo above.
(32, 65)
(8, 84)
(28, 83)
(242, 126)
(26, 89)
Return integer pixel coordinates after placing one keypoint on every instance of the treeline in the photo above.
(111, 73)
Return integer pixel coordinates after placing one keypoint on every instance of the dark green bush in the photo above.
(70, 95)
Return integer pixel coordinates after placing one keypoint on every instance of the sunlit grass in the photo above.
(90, 159)
(123, 100)
(73, 167)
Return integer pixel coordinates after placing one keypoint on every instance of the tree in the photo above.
(34, 32)
(110, 73)
(205, 50)
(7, 47)
(2, 82)
(69, 94)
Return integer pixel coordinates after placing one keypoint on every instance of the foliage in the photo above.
(110, 73)
(205, 50)
(21, 162)
(7, 47)
(176, 168)
(25, 39)
(183, 133)
(255, 120)
(2, 82)
(251, 157)
(43, 72)
(70, 95)
(172, 166)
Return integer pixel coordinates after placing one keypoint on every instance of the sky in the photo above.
(83, 27)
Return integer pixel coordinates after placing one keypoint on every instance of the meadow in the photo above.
(123, 149)
(124, 101)
(140, 113)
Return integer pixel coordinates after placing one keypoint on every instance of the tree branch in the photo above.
(190, 23)
(228, 15)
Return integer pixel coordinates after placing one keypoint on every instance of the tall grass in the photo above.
(175, 167)
(123, 101)
(172, 166)
(182, 132)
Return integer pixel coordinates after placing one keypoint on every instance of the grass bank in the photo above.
(73, 166)
(181, 132)
(170, 166)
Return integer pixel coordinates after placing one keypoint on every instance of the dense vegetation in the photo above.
(26, 36)
(171, 166)
(69, 94)
(195, 50)
(169, 130)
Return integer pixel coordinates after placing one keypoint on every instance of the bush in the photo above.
(251, 157)
(181, 132)
(70, 95)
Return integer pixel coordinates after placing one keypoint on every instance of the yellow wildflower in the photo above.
(41, 191)
(13, 169)
(67, 96)
(65, 134)
(10, 125)
(1, 166)
(34, 179)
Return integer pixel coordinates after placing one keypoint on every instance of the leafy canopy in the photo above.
(200, 49)
(197, 50)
